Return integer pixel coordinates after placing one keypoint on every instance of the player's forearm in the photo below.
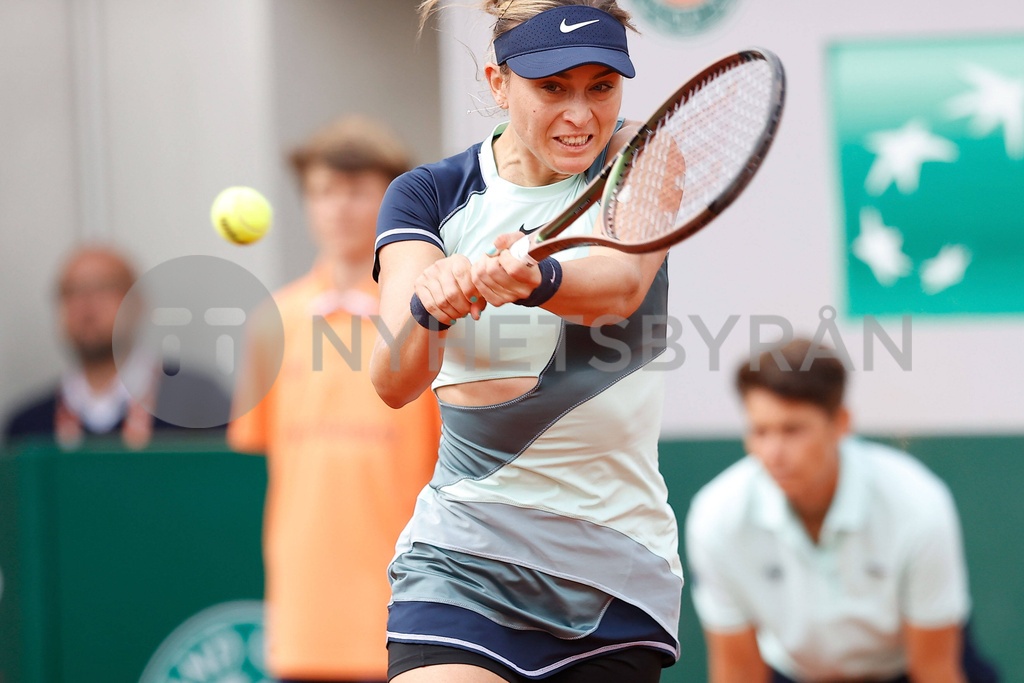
(604, 288)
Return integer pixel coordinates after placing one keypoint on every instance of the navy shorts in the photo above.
(528, 654)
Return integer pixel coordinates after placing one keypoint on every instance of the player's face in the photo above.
(561, 123)
(342, 210)
(91, 290)
(797, 442)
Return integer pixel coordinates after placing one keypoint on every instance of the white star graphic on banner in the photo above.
(945, 269)
(900, 155)
(881, 248)
(995, 101)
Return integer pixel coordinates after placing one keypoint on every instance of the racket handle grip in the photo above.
(520, 247)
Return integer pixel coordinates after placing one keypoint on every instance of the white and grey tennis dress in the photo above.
(545, 536)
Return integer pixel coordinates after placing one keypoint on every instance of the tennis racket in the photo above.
(684, 166)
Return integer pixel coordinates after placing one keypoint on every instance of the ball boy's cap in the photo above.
(563, 38)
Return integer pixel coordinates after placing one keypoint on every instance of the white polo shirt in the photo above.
(889, 552)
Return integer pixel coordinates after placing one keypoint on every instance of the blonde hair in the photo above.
(352, 144)
(511, 13)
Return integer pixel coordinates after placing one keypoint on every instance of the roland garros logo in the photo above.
(221, 643)
(684, 17)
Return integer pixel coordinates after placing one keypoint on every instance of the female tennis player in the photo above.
(544, 547)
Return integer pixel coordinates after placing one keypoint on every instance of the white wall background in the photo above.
(777, 251)
(120, 120)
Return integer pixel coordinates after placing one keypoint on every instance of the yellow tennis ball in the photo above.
(241, 215)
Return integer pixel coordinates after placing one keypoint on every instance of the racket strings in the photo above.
(698, 148)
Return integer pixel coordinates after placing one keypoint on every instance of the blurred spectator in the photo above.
(344, 468)
(822, 557)
(92, 398)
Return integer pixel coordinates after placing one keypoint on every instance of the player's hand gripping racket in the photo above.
(685, 165)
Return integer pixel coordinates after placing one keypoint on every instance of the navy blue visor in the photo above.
(563, 38)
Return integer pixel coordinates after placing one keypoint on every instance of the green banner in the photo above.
(117, 563)
(929, 139)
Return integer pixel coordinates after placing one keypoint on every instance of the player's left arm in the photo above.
(602, 288)
(934, 654)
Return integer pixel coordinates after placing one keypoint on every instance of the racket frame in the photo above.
(541, 243)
